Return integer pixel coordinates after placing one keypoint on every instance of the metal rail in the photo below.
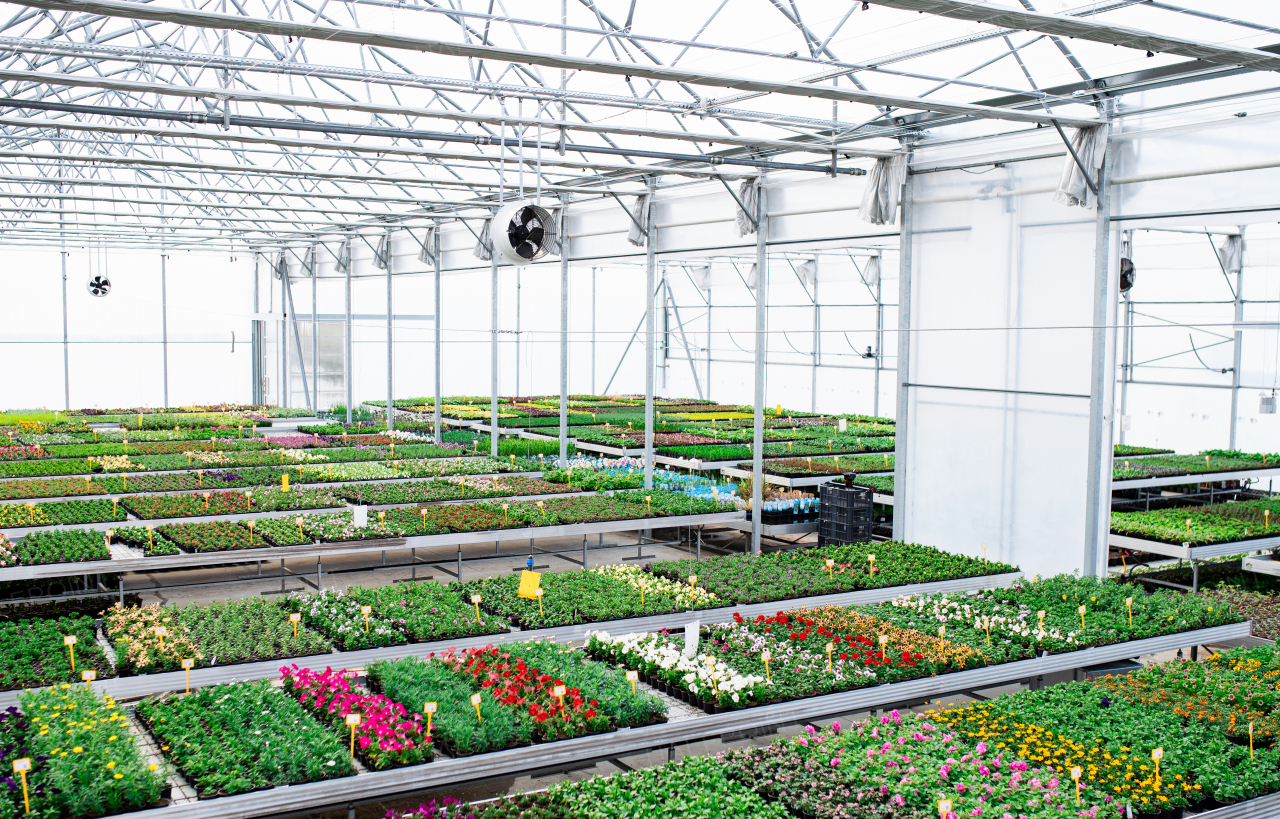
(1189, 478)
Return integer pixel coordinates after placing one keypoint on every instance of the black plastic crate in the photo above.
(846, 514)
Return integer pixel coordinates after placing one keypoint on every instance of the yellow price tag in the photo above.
(530, 584)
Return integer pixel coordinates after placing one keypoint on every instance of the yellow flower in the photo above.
(153, 767)
(111, 738)
(77, 749)
(110, 765)
(118, 776)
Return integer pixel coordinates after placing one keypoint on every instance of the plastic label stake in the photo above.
(632, 677)
(944, 808)
(88, 676)
(430, 709)
(353, 720)
(1081, 610)
(884, 641)
(70, 642)
(161, 633)
(1128, 601)
(539, 595)
(871, 559)
(187, 665)
(831, 569)
(1075, 775)
(20, 767)
(559, 692)
(475, 600)
(766, 656)
(830, 648)
(475, 700)
(1156, 756)
(366, 611)
(295, 618)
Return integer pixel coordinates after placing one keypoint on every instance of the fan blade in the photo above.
(527, 250)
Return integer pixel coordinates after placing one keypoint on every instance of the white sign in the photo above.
(691, 631)
(360, 516)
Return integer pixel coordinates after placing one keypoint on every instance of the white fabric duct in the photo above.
(884, 189)
(701, 277)
(483, 249)
(382, 256)
(808, 272)
(749, 193)
(1231, 253)
(428, 242)
(871, 273)
(557, 217)
(1089, 145)
(753, 279)
(635, 235)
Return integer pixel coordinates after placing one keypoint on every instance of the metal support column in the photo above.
(762, 347)
(817, 345)
(315, 336)
(346, 335)
(493, 352)
(255, 341)
(391, 407)
(593, 331)
(66, 344)
(286, 377)
(435, 253)
(564, 343)
(517, 333)
(650, 270)
(1101, 381)
(875, 405)
(1126, 346)
(1236, 347)
(903, 375)
(164, 324)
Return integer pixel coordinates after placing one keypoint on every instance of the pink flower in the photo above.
(835, 763)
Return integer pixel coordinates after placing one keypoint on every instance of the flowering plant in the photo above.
(387, 736)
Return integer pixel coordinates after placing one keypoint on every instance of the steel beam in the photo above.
(282, 28)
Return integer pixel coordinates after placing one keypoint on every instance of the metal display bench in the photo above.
(573, 753)
(793, 483)
(1192, 554)
(1261, 564)
(124, 561)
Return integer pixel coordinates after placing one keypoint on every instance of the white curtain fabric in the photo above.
(1089, 145)
(484, 247)
(749, 193)
(753, 279)
(641, 214)
(344, 257)
(1231, 253)
(701, 277)
(808, 273)
(427, 254)
(871, 272)
(884, 190)
(282, 266)
(382, 255)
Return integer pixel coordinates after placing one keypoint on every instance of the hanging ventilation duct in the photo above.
(523, 232)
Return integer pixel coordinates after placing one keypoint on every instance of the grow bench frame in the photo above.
(147, 684)
(320, 550)
(794, 483)
(572, 753)
(1192, 554)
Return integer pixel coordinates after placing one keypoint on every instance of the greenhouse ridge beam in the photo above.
(139, 11)
(1060, 26)
(240, 95)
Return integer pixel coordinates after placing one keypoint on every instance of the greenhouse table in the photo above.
(157, 683)
(792, 483)
(1262, 564)
(321, 550)
(1197, 478)
(1194, 554)
(553, 756)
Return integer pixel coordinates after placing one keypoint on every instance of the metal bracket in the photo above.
(1093, 188)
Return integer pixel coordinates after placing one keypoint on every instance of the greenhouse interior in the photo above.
(622, 329)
